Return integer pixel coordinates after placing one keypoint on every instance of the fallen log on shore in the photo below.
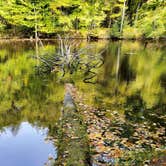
(73, 147)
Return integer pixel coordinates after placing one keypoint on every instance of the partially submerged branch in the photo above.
(70, 58)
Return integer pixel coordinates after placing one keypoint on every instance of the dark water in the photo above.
(132, 81)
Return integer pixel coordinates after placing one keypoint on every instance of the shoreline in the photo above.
(83, 38)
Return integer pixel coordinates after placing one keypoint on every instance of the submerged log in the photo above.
(73, 147)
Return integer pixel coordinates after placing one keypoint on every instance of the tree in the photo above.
(90, 16)
(151, 19)
(25, 13)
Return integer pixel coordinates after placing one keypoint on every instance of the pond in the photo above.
(130, 82)
(25, 144)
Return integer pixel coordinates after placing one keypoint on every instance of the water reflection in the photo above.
(132, 82)
(70, 58)
(24, 145)
(131, 69)
(131, 92)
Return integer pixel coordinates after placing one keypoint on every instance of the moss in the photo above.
(73, 147)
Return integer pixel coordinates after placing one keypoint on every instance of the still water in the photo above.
(131, 81)
(25, 145)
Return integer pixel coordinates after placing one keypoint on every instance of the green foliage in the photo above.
(153, 23)
(131, 32)
(115, 30)
(28, 14)
(144, 18)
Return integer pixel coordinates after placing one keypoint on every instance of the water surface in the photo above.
(25, 145)
(132, 82)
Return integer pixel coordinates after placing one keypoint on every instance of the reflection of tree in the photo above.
(138, 71)
(148, 66)
(126, 73)
(15, 129)
(23, 95)
(136, 112)
(42, 98)
(118, 62)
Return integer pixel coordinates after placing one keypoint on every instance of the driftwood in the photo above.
(70, 58)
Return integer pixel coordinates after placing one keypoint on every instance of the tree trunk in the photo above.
(36, 38)
(123, 16)
(136, 15)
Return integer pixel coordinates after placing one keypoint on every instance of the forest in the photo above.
(82, 82)
(130, 19)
